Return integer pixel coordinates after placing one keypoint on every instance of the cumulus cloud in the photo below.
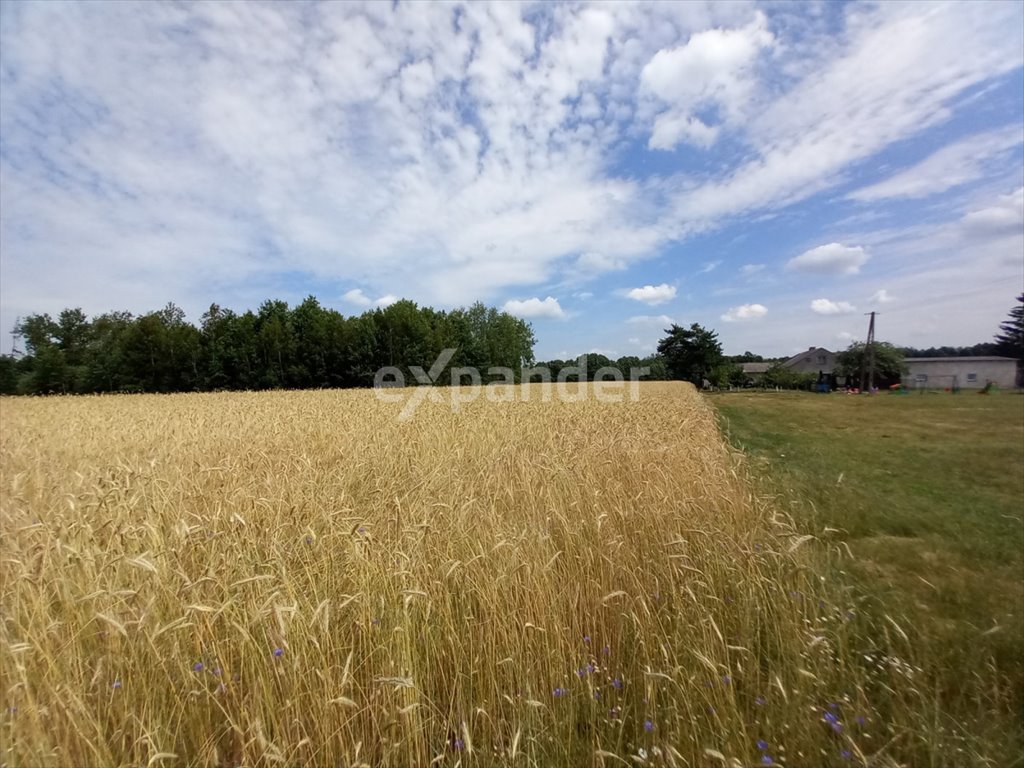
(360, 299)
(831, 259)
(715, 68)
(881, 296)
(828, 307)
(653, 294)
(535, 307)
(745, 312)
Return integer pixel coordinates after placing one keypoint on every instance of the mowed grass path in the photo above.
(927, 495)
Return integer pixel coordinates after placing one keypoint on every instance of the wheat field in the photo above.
(300, 578)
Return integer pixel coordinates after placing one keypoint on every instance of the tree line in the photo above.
(306, 346)
(310, 346)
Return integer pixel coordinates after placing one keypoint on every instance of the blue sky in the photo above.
(769, 170)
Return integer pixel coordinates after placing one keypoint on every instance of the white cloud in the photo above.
(653, 294)
(659, 320)
(828, 307)
(881, 296)
(751, 269)
(745, 312)
(831, 259)
(535, 307)
(357, 297)
(715, 68)
(887, 77)
(1005, 217)
(845, 336)
(958, 163)
(710, 266)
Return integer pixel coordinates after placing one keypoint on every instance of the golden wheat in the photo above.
(301, 578)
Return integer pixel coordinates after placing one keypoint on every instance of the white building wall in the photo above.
(970, 374)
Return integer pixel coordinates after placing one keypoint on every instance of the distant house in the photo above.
(755, 371)
(816, 360)
(964, 372)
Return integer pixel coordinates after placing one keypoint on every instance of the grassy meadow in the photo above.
(301, 578)
(920, 498)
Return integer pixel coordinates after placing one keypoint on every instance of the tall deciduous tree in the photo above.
(690, 354)
(889, 365)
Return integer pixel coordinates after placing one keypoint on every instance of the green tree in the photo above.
(690, 353)
(1010, 339)
(889, 365)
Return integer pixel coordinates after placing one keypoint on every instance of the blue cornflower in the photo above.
(831, 718)
(116, 685)
(197, 667)
(846, 754)
(278, 652)
(861, 720)
(767, 760)
(760, 701)
(606, 650)
(648, 726)
(726, 680)
(586, 639)
(458, 744)
(617, 684)
(762, 744)
(591, 668)
(834, 706)
(558, 692)
(581, 672)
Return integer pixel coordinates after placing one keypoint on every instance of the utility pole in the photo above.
(14, 338)
(868, 368)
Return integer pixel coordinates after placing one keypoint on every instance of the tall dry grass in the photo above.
(298, 578)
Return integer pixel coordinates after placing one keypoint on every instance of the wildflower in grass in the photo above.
(116, 685)
(375, 622)
(597, 695)
(309, 540)
(833, 722)
(846, 754)
(581, 672)
(648, 726)
(617, 684)
(861, 720)
(591, 668)
(606, 650)
(278, 653)
(197, 667)
(458, 744)
(586, 639)
(762, 744)
(558, 692)
(760, 701)
(834, 706)
(726, 680)
(767, 760)
(216, 672)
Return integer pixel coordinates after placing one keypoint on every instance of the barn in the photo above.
(960, 372)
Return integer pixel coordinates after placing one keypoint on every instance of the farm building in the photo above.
(755, 371)
(815, 360)
(965, 372)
